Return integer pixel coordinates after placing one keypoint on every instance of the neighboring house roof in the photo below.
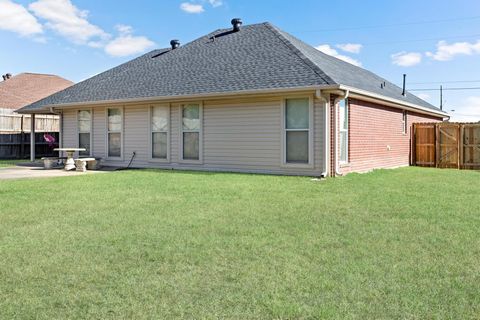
(25, 88)
(258, 57)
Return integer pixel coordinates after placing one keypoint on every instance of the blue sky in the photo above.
(433, 42)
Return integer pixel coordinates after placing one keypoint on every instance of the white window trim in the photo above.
(91, 129)
(283, 138)
(121, 134)
(200, 135)
(341, 129)
(404, 122)
(151, 158)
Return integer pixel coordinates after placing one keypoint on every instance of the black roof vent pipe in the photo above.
(236, 23)
(175, 44)
(404, 80)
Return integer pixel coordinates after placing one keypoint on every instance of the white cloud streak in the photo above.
(15, 18)
(468, 110)
(215, 3)
(406, 59)
(327, 49)
(447, 51)
(350, 47)
(67, 20)
(191, 7)
(126, 44)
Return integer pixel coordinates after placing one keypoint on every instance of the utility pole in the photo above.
(441, 98)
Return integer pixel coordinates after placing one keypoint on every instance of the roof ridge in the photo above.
(299, 53)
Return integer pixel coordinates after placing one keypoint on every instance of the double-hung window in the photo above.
(114, 132)
(84, 118)
(160, 132)
(191, 131)
(343, 130)
(404, 122)
(297, 131)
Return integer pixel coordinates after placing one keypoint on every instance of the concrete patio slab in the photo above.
(21, 172)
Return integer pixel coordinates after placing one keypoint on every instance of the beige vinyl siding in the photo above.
(243, 135)
(70, 131)
(99, 135)
(136, 134)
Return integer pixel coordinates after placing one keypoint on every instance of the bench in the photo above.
(82, 164)
(49, 162)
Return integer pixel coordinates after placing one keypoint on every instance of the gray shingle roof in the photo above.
(259, 56)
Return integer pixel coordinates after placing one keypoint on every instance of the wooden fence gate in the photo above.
(446, 145)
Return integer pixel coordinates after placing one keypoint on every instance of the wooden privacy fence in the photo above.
(13, 122)
(446, 145)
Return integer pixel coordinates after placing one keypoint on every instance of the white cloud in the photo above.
(69, 21)
(423, 96)
(406, 59)
(327, 49)
(215, 3)
(447, 51)
(124, 29)
(126, 44)
(14, 17)
(191, 8)
(467, 110)
(350, 47)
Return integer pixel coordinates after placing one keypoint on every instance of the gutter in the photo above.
(373, 97)
(355, 93)
(180, 97)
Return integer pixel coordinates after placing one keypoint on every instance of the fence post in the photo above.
(413, 146)
(32, 137)
(460, 146)
(437, 144)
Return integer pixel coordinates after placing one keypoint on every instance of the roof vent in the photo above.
(175, 44)
(236, 23)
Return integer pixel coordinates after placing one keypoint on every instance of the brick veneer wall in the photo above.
(376, 138)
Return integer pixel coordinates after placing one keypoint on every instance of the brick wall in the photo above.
(376, 138)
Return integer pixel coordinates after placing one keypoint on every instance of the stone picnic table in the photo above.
(69, 164)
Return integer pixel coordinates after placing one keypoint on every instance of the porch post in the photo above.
(32, 137)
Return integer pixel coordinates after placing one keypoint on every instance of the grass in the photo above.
(10, 162)
(159, 244)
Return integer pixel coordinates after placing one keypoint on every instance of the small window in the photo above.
(191, 129)
(114, 132)
(404, 122)
(343, 130)
(297, 131)
(84, 131)
(160, 136)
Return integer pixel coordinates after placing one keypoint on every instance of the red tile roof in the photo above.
(26, 88)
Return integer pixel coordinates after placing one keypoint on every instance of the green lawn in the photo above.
(10, 162)
(140, 244)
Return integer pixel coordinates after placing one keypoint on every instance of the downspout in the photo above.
(345, 96)
(325, 99)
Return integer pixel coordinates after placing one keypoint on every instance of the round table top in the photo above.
(69, 149)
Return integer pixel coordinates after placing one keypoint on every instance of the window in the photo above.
(404, 122)
(343, 130)
(191, 131)
(114, 132)
(160, 132)
(84, 118)
(297, 140)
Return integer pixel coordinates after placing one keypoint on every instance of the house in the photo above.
(247, 99)
(23, 89)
